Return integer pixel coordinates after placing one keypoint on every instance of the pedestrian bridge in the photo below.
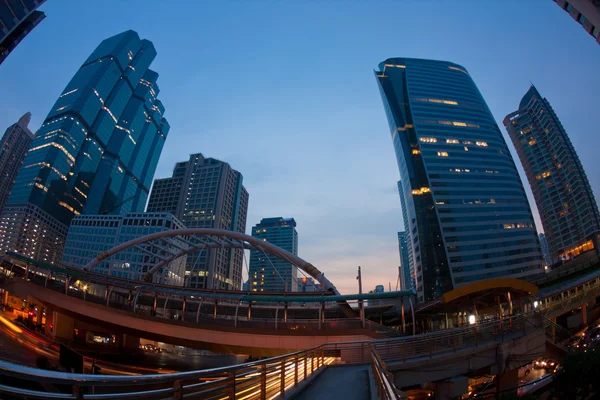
(382, 365)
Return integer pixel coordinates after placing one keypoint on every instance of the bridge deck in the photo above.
(348, 382)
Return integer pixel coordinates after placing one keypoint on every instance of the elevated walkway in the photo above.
(348, 382)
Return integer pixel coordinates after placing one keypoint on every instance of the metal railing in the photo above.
(265, 379)
(205, 313)
(449, 341)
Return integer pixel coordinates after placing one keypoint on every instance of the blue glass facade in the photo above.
(406, 274)
(17, 19)
(269, 273)
(466, 212)
(97, 150)
(99, 146)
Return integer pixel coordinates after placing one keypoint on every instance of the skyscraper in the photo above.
(90, 235)
(467, 215)
(13, 147)
(96, 152)
(269, 273)
(406, 273)
(563, 195)
(17, 19)
(545, 250)
(206, 193)
(586, 12)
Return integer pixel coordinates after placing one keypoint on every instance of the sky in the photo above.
(284, 91)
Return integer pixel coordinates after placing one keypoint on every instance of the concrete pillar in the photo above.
(38, 315)
(450, 388)
(584, 314)
(285, 312)
(130, 342)
(62, 326)
(507, 383)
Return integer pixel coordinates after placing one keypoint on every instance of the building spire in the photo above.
(24, 120)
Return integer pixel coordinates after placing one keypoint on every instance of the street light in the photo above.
(535, 304)
(471, 319)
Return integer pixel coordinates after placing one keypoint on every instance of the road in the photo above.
(18, 345)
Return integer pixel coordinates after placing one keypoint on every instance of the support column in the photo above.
(130, 342)
(507, 383)
(249, 310)
(403, 316)
(63, 326)
(285, 305)
(584, 314)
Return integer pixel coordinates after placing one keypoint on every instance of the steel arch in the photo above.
(170, 245)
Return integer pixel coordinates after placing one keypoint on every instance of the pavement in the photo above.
(339, 382)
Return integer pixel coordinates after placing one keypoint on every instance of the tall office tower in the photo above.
(90, 235)
(545, 251)
(467, 213)
(17, 19)
(586, 12)
(96, 152)
(13, 147)
(563, 195)
(206, 193)
(269, 273)
(306, 284)
(406, 274)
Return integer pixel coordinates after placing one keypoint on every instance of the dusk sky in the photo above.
(285, 93)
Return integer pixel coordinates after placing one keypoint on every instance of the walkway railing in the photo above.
(450, 341)
(206, 313)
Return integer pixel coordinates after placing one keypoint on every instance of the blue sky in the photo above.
(284, 92)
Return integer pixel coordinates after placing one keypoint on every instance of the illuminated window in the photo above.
(452, 141)
(473, 125)
(61, 108)
(467, 142)
(466, 148)
(481, 144)
(546, 174)
(428, 140)
(442, 154)
(68, 207)
(68, 93)
(457, 123)
(416, 151)
(458, 69)
(39, 186)
(419, 192)
(509, 226)
(445, 122)
(58, 146)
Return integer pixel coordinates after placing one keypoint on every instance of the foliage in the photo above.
(580, 376)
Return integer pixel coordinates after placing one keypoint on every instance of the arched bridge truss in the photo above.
(167, 246)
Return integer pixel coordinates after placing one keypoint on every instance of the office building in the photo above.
(90, 235)
(206, 193)
(467, 215)
(586, 12)
(405, 272)
(96, 152)
(562, 192)
(17, 19)
(13, 147)
(269, 273)
(545, 251)
(306, 284)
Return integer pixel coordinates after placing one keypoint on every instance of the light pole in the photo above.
(360, 302)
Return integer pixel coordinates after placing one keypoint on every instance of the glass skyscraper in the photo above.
(269, 273)
(562, 192)
(586, 12)
(90, 235)
(96, 152)
(17, 19)
(13, 147)
(406, 274)
(467, 212)
(206, 193)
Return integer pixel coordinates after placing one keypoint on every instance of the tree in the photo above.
(580, 375)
